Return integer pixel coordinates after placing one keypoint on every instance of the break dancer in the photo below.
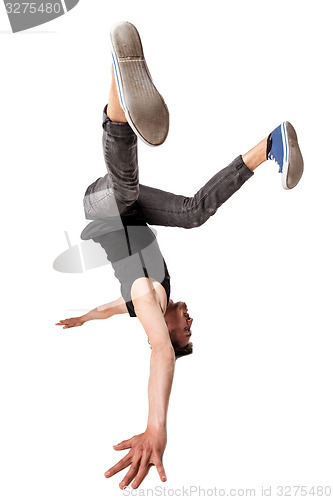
(120, 210)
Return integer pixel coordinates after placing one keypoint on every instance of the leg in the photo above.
(167, 209)
(144, 106)
(118, 190)
(120, 152)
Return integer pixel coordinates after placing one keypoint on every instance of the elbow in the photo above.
(143, 302)
(163, 351)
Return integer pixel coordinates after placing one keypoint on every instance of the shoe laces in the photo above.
(272, 157)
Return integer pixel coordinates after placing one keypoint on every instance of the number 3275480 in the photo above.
(33, 8)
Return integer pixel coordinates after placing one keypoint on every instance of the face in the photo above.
(179, 322)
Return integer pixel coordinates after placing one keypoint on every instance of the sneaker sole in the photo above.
(293, 164)
(144, 107)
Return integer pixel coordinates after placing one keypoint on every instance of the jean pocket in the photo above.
(101, 204)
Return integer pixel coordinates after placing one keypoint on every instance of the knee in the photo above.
(197, 218)
(127, 196)
(132, 195)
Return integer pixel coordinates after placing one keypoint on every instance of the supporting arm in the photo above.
(147, 449)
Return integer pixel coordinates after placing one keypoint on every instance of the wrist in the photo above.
(156, 427)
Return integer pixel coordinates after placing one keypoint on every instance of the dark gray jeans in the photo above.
(119, 191)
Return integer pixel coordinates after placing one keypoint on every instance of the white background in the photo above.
(253, 405)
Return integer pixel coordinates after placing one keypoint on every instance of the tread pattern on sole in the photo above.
(144, 107)
(295, 165)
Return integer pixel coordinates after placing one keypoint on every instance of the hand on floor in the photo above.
(146, 450)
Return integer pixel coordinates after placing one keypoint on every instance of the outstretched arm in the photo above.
(147, 449)
(101, 312)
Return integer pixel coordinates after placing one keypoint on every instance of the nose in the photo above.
(190, 321)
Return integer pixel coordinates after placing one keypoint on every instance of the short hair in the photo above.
(180, 351)
(183, 351)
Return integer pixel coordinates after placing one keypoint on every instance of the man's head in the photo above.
(179, 324)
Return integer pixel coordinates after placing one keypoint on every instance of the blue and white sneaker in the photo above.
(144, 107)
(286, 153)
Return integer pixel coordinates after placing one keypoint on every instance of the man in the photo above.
(120, 209)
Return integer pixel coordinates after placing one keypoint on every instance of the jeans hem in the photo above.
(242, 167)
(116, 129)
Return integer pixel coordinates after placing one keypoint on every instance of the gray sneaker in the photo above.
(145, 109)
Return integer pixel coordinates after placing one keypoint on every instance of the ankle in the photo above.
(115, 113)
(114, 110)
(256, 156)
(269, 145)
